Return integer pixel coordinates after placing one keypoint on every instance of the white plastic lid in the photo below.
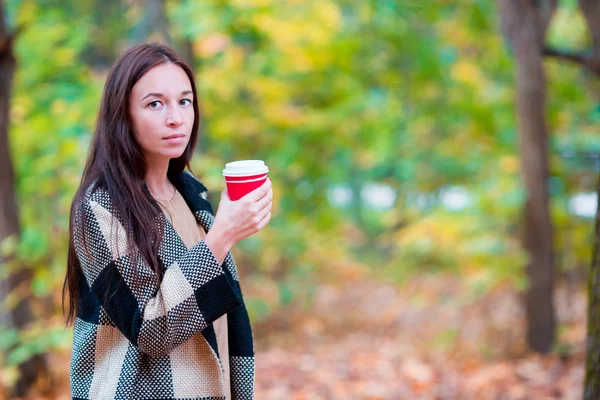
(245, 168)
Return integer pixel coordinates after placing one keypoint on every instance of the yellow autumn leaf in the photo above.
(466, 72)
(65, 56)
(509, 164)
(269, 90)
(251, 3)
(284, 115)
(330, 14)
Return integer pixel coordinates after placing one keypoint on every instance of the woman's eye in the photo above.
(154, 104)
(185, 102)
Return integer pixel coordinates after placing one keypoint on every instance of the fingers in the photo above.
(266, 200)
(264, 221)
(264, 209)
(258, 220)
(259, 193)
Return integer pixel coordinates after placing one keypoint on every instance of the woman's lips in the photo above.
(177, 138)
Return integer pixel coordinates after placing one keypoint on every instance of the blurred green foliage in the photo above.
(333, 95)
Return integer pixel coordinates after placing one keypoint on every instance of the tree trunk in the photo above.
(186, 51)
(9, 224)
(533, 141)
(592, 372)
(525, 23)
(591, 12)
(19, 316)
(155, 26)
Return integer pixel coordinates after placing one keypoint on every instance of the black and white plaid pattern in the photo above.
(136, 338)
(242, 377)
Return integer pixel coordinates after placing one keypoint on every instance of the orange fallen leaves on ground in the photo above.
(370, 340)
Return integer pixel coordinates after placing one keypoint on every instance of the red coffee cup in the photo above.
(242, 177)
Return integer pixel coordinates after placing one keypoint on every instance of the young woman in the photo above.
(149, 269)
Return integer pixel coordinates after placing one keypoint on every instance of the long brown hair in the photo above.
(115, 162)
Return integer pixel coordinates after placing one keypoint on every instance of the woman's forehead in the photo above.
(167, 79)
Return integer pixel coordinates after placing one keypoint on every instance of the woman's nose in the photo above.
(174, 117)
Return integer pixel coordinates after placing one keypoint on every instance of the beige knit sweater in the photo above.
(185, 224)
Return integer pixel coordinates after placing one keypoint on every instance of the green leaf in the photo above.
(8, 338)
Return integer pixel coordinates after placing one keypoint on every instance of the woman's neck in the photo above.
(158, 182)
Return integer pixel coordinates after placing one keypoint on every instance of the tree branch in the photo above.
(516, 15)
(591, 12)
(590, 63)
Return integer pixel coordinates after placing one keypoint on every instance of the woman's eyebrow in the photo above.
(152, 94)
(162, 95)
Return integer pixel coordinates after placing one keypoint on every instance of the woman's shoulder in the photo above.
(94, 194)
(91, 200)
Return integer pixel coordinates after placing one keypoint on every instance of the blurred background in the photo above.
(396, 263)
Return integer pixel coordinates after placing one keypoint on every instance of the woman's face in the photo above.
(162, 112)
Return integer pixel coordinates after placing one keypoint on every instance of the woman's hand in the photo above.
(236, 220)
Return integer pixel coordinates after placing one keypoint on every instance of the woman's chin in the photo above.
(161, 157)
(174, 154)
